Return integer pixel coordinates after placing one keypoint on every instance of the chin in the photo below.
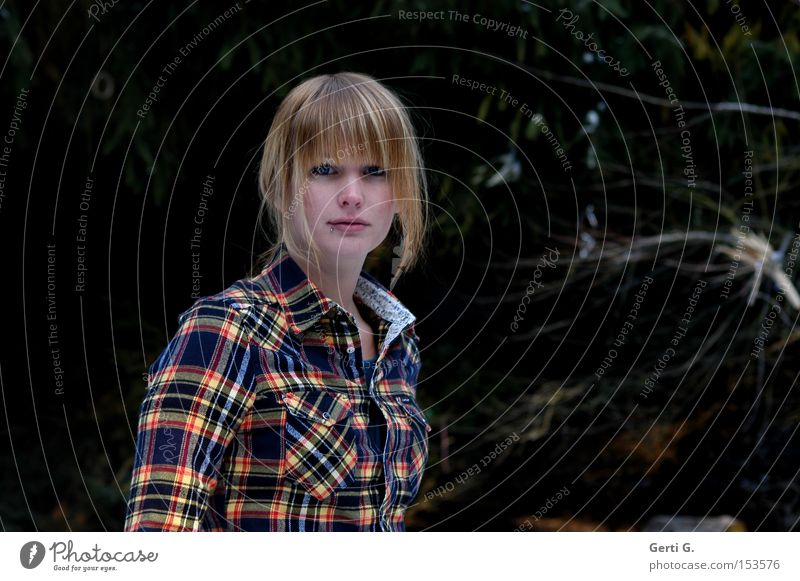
(347, 246)
(350, 247)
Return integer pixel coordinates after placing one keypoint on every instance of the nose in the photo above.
(351, 194)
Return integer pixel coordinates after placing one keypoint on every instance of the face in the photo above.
(352, 196)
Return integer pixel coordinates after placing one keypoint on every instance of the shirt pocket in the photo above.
(412, 444)
(320, 449)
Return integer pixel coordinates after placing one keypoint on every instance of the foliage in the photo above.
(499, 196)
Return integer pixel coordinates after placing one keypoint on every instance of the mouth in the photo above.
(348, 223)
(348, 227)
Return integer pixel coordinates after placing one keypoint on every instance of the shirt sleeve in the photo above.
(199, 390)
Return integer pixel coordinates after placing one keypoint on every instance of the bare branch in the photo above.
(722, 106)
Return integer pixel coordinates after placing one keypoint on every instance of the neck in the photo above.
(335, 281)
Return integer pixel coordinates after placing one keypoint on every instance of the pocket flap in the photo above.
(319, 406)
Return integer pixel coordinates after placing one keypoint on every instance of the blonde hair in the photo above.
(339, 115)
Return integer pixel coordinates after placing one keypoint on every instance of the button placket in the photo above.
(413, 411)
(332, 340)
(328, 340)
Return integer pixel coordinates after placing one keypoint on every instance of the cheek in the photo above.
(315, 201)
(386, 200)
(393, 206)
(296, 225)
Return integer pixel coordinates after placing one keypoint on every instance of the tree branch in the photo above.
(722, 106)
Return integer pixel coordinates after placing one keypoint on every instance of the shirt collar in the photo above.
(304, 303)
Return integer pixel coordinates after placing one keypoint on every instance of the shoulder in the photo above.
(248, 309)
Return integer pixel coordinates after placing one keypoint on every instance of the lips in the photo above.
(346, 222)
(348, 226)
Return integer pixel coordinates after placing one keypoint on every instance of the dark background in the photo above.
(718, 434)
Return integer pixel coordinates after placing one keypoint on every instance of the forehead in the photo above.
(340, 129)
(352, 156)
(336, 150)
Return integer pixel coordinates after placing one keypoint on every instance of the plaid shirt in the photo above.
(256, 414)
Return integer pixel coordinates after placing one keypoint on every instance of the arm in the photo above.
(199, 390)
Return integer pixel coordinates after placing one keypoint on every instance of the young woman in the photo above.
(288, 401)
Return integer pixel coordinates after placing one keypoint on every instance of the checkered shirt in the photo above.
(256, 414)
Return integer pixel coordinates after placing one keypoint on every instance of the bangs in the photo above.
(349, 121)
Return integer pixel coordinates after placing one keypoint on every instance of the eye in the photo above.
(322, 170)
(375, 170)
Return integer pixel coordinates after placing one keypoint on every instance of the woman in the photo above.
(287, 402)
